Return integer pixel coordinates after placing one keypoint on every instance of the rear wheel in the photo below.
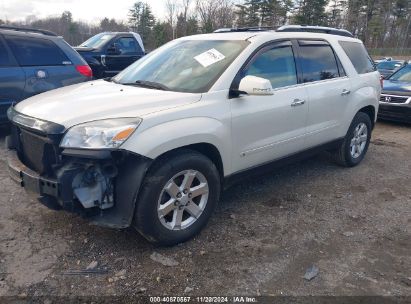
(178, 197)
(355, 145)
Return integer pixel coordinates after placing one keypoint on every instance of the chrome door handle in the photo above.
(345, 92)
(297, 102)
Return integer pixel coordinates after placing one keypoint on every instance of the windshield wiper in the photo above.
(110, 79)
(149, 85)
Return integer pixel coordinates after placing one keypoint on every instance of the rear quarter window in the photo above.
(36, 52)
(359, 57)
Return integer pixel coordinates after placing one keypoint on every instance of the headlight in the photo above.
(100, 134)
(42, 126)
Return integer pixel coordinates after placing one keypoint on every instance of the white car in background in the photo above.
(153, 147)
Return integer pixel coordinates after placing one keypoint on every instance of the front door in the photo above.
(128, 51)
(265, 128)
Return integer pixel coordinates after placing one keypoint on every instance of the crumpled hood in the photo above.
(100, 99)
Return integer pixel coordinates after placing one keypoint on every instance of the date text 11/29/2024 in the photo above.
(237, 299)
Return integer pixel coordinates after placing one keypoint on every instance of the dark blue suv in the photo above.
(35, 61)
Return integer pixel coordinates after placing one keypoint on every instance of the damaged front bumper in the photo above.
(91, 183)
(29, 179)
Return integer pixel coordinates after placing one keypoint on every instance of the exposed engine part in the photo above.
(93, 187)
(109, 170)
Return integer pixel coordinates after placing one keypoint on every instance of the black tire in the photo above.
(146, 219)
(343, 154)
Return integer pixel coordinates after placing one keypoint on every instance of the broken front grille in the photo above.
(38, 152)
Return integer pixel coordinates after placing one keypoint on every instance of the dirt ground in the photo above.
(353, 224)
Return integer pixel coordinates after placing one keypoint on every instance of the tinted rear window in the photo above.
(36, 52)
(318, 62)
(359, 57)
(5, 59)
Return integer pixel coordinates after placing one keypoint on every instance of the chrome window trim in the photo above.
(326, 80)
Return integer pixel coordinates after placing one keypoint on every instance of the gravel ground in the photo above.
(353, 224)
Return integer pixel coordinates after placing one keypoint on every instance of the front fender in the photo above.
(159, 139)
(92, 59)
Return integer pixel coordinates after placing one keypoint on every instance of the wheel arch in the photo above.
(371, 112)
(205, 135)
(204, 148)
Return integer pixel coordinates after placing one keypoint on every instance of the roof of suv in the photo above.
(115, 33)
(247, 35)
(285, 32)
(27, 32)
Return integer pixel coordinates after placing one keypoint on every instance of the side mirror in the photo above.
(114, 49)
(253, 85)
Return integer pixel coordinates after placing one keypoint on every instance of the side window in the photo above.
(276, 65)
(318, 62)
(36, 52)
(5, 60)
(128, 45)
(359, 57)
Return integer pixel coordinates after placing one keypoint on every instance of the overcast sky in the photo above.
(86, 10)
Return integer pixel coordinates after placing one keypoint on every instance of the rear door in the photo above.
(265, 128)
(45, 65)
(328, 89)
(129, 51)
(12, 80)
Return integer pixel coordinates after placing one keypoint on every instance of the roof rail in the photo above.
(289, 28)
(245, 29)
(315, 29)
(28, 30)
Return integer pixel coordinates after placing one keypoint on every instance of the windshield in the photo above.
(389, 65)
(96, 41)
(184, 65)
(402, 75)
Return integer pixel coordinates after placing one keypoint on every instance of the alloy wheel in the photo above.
(359, 140)
(183, 199)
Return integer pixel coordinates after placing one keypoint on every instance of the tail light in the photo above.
(84, 70)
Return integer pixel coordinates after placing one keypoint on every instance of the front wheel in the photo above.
(355, 145)
(178, 197)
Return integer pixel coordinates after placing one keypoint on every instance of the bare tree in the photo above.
(215, 14)
(384, 25)
(186, 6)
(172, 12)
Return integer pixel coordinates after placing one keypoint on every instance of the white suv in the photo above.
(153, 147)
